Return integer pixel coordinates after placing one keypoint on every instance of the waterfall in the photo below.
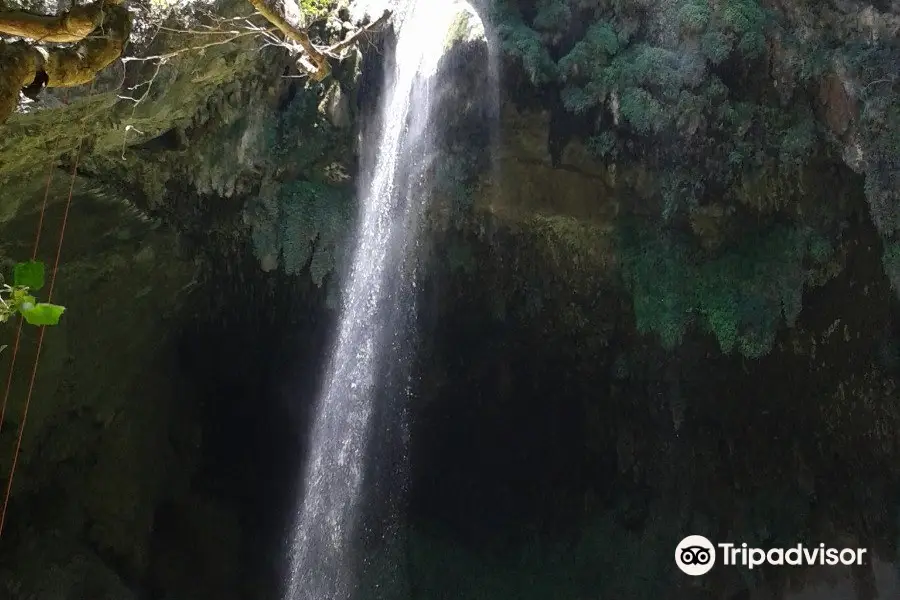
(376, 297)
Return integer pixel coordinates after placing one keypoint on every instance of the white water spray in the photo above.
(325, 532)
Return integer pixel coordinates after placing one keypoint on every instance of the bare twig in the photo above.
(340, 46)
(317, 62)
(174, 53)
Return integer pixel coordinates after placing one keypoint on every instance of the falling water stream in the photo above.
(392, 192)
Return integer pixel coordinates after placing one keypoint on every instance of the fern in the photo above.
(694, 16)
(524, 44)
(553, 16)
(891, 261)
(315, 221)
(305, 225)
(741, 297)
(643, 111)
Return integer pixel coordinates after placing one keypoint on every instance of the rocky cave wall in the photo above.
(664, 297)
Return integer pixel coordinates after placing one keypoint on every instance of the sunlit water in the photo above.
(392, 194)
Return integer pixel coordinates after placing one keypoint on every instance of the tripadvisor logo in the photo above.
(695, 555)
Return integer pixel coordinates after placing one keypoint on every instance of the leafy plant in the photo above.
(305, 225)
(315, 9)
(742, 296)
(28, 277)
(524, 44)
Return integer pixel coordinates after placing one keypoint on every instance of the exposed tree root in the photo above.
(17, 70)
(101, 30)
(22, 64)
(71, 26)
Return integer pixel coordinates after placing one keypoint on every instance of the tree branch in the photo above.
(18, 67)
(102, 28)
(68, 67)
(71, 26)
(21, 63)
(340, 46)
(319, 66)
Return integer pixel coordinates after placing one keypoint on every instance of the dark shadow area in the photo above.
(548, 465)
(253, 360)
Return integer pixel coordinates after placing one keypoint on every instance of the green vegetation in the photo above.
(316, 9)
(659, 95)
(742, 296)
(875, 64)
(315, 220)
(891, 260)
(880, 119)
(524, 43)
(585, 69)
(301, 135)
(302, 227)
(736, 25)
(547, 568)
(301, 223)
(28, 277)
(688, 91)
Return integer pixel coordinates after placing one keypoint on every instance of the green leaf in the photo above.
(23, 301)
(42, 313)
(29, 274)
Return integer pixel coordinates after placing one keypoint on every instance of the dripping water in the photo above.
(362, 397)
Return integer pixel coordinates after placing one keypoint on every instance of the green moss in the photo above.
(567, 235)
(660, 280)
(716, 46)
(891, 261)
(552, 16)
(592, 52)
(694, 16)
(523, 44)
(643, 111)
(304, 226)
(741, 296)
(876, 66)
(733, 25)
(301, 135)
(798, 141)
(316, 9)
(454, 178)
(747, 20)
(585, 68)
(604, 145)
(680, 189)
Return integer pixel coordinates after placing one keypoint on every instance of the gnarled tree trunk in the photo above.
(320, 67)
(22, 63)
(71, 26)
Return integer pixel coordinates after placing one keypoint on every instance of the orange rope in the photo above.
(37, 241)
(37, 356)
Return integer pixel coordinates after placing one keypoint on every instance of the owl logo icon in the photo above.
(695, 555)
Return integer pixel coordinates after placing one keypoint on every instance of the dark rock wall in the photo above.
(657, 299)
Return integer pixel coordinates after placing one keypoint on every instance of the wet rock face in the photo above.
(54, 125)
(551, 415)
(104, 441)
(841, 110)
(548, 430)
(465, 126)
(162, 438)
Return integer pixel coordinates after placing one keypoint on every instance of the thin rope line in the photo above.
(37, 356)
(37, 242)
